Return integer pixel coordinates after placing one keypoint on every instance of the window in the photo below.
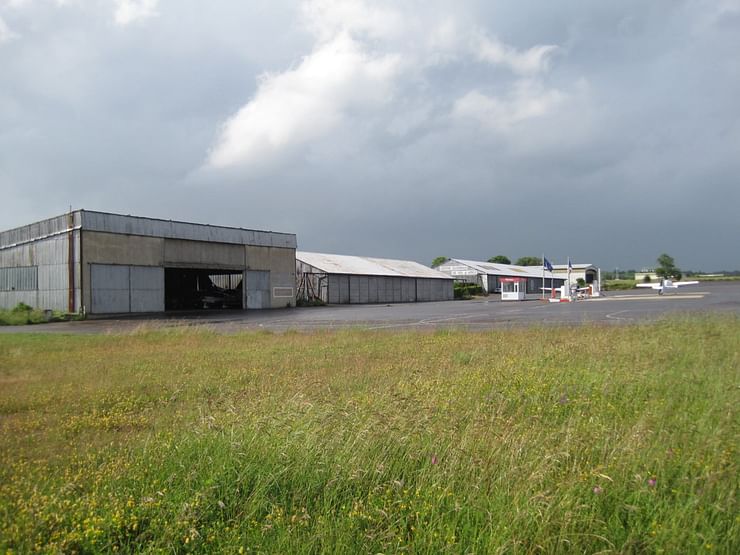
(19, 279)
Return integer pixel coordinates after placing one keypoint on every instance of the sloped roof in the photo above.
(366, 266)
(561, 267)
(501, 269)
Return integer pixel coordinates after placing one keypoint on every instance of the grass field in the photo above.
(546, 440)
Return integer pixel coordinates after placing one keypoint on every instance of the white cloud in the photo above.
(365, 53)
(531, 61)
(296, 106)
(328, 18)
(129, 11)
(527, 100)
(6, 33)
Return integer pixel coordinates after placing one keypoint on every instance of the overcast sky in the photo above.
(607, 131)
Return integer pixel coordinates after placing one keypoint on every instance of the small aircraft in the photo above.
(666, 285)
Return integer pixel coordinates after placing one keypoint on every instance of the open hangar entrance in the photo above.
(203, 288)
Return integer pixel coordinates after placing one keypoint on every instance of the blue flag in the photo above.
(547, 265)
(570, 266)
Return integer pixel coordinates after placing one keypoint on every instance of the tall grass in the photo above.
(592, 439)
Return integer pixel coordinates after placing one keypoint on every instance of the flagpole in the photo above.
(543, 276)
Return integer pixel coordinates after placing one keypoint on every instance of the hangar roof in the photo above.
(500, 269)
(88, 220)
(564, 267)
(362, 265)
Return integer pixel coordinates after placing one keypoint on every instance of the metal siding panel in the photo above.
(110, 287)
(343, 289)
(147, 289)
(354, 290)
(333, 287)
(423, 290)
(364, 283)
(133, 225)
(258, 289)
(372, 289)
(397, 293)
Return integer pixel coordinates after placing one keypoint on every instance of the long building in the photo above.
(101, 263)
(489, 276)
(341, 279)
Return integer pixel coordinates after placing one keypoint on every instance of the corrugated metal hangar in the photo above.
(489, 275)
(100, 263)
(340, 279)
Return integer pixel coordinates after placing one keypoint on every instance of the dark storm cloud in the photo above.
(609, 133)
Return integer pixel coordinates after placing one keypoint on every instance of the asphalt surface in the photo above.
(618, 307)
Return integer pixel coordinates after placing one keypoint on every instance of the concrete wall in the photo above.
(280, 262)
(50, 257)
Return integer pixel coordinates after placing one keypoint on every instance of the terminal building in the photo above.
(492, 277)
(101, 263)
(341, 279)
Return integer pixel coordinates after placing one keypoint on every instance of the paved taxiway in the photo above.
(486, 313)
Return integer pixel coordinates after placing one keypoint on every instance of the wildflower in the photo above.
(652, 482)
(597, 490)
(434, 459)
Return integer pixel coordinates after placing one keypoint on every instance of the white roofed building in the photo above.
(589, 273)
(343, 279)
(489, 275)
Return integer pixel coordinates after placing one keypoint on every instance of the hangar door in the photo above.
(117, 288)
(258, 289)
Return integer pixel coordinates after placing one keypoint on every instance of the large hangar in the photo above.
(341, 279)
(101, 263)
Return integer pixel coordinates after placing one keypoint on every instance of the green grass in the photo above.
(595, 439)
(619, 284)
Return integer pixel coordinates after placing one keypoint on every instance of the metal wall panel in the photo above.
(25, 278)
(50, 257)
(424, 290)
(372, 289)
(111, 289)
(333, 289)
(38, 230)
(343, 289)
(258, 289)
(354, 290)
(133, 225)
(146, 289)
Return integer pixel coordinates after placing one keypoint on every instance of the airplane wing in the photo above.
(651, 285)
(679, 283)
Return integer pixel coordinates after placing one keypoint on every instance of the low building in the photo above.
(647, 276)
(489, 276)
(101, 263)
(590, 274)
(341, 279)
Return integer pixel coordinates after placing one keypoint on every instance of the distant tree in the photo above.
(646, 279)
(667, 267)
(439, 260)
(529, 261)
(500, 259)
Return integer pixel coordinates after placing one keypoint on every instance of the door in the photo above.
(258, 289)
(110, 288)
(117, 289)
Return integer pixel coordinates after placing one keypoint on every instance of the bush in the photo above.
(467, 290)
(619, 284)
(23, 314)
